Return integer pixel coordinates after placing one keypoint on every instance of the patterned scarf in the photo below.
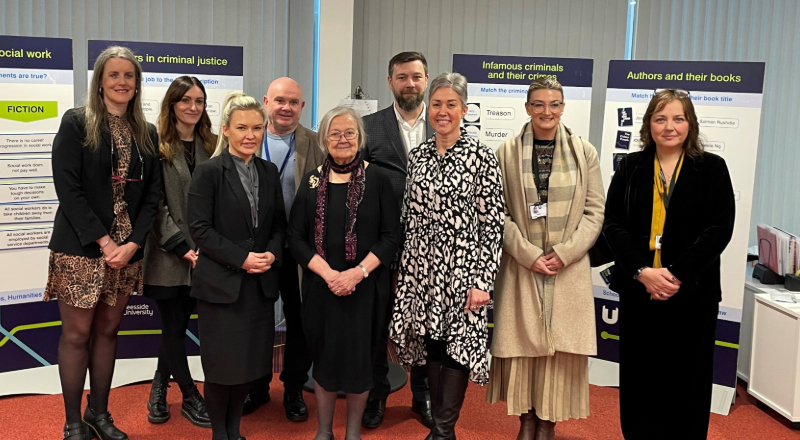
(561, 189)
(355, 192)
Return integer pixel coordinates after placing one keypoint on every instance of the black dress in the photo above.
(342, 331)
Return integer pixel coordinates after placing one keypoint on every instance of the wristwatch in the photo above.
(639, 272)
(363, 269)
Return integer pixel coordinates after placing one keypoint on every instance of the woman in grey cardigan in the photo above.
(184, 130)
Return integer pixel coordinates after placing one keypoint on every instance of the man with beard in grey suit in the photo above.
(391, 134)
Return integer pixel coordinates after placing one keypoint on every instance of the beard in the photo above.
(409, 102)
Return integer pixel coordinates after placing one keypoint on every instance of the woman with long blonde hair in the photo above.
(108, 180)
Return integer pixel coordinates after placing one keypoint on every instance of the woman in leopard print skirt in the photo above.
(108, 181)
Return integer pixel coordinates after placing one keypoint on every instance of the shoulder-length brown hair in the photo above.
(95, 109)
(692, 146)
(169, 138)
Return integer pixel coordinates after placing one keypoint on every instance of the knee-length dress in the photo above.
(342, 332)
(82, 281)
(452, 242)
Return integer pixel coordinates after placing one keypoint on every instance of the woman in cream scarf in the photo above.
(544, 310)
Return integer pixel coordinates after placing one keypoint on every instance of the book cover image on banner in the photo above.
(727, 100)
(219, 68)
(498, 90)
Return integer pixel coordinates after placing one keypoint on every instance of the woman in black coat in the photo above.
(185, 141)
(238, 221)
(669, 215)
(345, 231)
(108, 180)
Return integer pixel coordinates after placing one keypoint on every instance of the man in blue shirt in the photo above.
(293, 149)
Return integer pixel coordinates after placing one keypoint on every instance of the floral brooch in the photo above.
(313, 182)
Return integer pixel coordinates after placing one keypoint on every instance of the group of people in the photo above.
(393, 230)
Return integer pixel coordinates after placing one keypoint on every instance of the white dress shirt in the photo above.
(412, 135)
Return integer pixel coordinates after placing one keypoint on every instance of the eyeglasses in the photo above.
(679, 93)
(349, 135)
(555, 106)
(115, 160)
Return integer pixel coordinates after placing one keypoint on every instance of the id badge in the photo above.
(538, 210)
(658, 242)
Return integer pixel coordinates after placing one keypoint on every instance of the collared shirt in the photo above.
(279, 146)
(412, 135)
(249, 177)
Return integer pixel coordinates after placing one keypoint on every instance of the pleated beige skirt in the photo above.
(557, 387)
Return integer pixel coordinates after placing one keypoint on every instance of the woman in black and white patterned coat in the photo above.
(452, 244)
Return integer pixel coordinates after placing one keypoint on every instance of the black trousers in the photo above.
(666, 367)
(296, 358)
(175, 314)
(380, 364)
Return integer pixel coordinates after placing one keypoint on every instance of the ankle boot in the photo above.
(527, 426)
(194, 407)
(545, 429)
(76, 431)
(452, 388)
(157, 403)
(102, 424)
(434, 370)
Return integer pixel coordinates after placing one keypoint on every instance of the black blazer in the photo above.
(697, 229)
(386, 149)
(82, 179)
(221, 225)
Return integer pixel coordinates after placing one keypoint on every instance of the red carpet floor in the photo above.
(41, 417)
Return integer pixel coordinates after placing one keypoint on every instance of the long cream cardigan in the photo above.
(520, 329)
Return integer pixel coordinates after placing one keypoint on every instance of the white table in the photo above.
(775, 356)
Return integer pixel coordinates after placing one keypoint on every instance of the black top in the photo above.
(82, 179)
(221, 224)
(188, 151)
(698, 226)
(542, 165)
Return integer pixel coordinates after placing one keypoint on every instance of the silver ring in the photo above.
(474, 307)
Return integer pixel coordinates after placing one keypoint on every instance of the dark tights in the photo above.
(224, 404)
(437, 352)
(175, 315)
(88, 340)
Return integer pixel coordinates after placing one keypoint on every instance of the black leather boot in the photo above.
(157, 403)
(453, 387)
(76, 431)
(545, 429)
(373, 413)
(102, 424)
(295, 406)
(423, 407)
(194, 406)
(434, 370)
(527, 425)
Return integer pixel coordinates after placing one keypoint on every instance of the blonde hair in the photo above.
(545, 83)
(236, 101)
(95, 108)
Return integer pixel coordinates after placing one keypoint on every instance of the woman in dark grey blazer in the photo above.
(186, 140)
(238, 220)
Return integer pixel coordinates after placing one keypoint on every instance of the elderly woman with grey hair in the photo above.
(452, 242)
(344, 232)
